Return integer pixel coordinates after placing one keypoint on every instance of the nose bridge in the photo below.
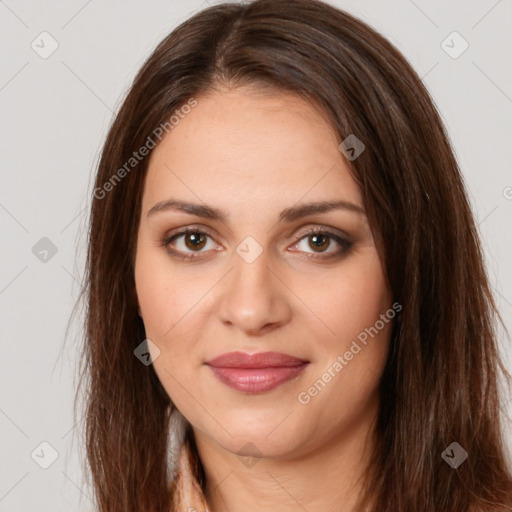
(251, 267)
(252, 298)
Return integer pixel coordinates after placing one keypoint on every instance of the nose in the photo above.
(253, 297)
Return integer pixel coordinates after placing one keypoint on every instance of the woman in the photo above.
(287, 304)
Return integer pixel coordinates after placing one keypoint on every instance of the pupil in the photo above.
(316, 238)
(195, 240)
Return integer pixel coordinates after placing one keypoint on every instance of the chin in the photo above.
(256, 439)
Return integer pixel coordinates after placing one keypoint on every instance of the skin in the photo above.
(253, 155)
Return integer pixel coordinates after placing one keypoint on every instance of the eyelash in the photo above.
(345, 244)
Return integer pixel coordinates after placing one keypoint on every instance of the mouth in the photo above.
(256, 373)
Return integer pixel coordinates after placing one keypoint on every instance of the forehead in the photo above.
(238, 144)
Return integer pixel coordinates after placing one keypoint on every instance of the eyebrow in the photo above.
(287, 215)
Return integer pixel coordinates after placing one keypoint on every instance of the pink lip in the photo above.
(255, 373)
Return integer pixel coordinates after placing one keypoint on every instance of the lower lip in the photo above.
(256, 380)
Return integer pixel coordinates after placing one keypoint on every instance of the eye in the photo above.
(194, 240)
(191, 239)
(319, 240)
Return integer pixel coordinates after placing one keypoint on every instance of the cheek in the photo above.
(349, 299)
(173, 305)
(351, 361)
(156, 302)
(165, 296)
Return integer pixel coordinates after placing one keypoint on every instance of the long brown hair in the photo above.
(440, 384)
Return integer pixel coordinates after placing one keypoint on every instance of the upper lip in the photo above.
(258, 360)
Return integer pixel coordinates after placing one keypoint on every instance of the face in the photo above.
(259, 272)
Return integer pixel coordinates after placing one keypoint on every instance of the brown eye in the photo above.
(319, 242)
(195, 240)
(190, 242)
(186, 243)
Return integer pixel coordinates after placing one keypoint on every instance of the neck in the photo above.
(326, 476)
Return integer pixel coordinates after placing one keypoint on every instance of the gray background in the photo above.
(55, 113)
